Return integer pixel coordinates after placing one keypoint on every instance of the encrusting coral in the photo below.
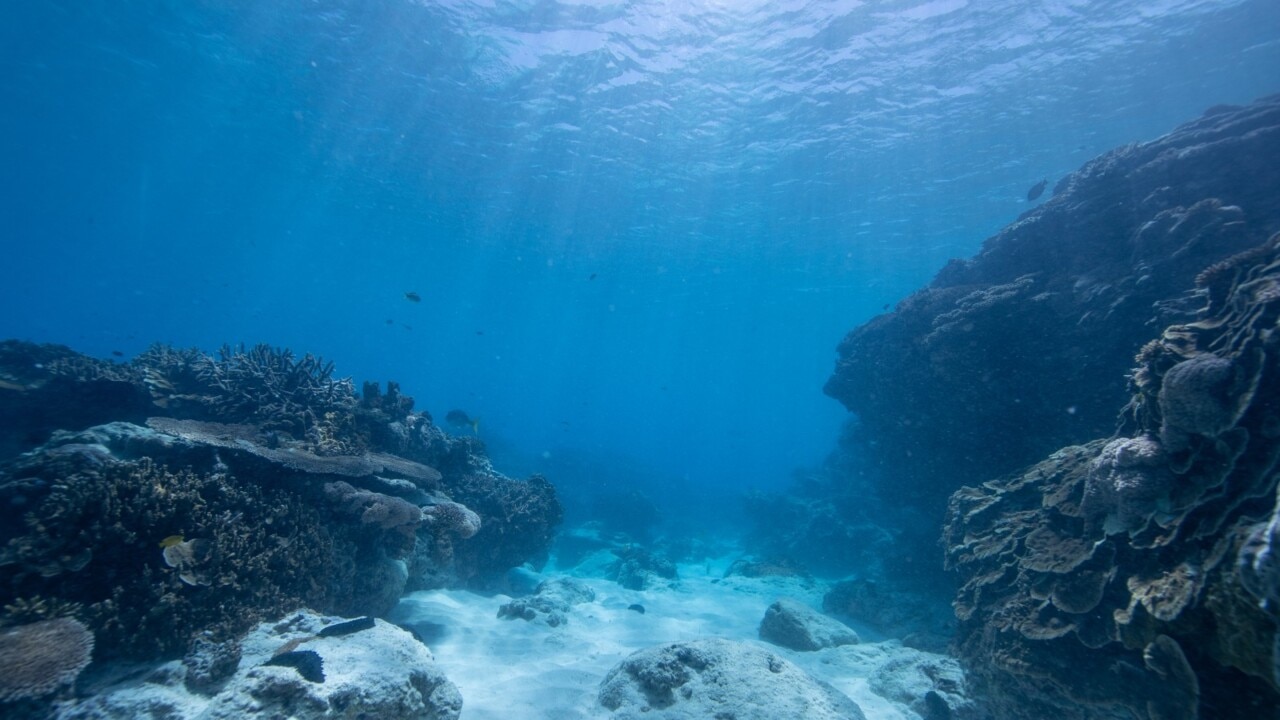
(1147, 557)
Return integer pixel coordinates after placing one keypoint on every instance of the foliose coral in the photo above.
(1147, 556)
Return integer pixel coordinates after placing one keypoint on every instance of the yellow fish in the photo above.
(170, 541)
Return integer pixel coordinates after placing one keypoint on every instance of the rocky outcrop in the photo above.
(793, 625)
(718, 678)
(1023, 349)
(1135, 574)
(230, 490)
(550, 603)
(379, 671)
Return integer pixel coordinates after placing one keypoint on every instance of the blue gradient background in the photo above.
(639, 229)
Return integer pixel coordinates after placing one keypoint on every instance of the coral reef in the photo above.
(44, 388)
(210, 664)
(1023, 349)
(518, 520)
(1135, 574)
(187, 497)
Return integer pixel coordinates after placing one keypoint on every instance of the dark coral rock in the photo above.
(1132, 575)
(550, 603)
(1024, 348)
(637, 568)
(915, 618)
(308, 663)
(348, 627)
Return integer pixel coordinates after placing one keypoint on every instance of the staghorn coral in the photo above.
(273, 388)
(1146, 556)
(40, 657)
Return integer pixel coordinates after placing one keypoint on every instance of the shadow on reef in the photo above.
(183, 496)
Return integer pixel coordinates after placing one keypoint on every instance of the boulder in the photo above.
(380, 672)
(796, 626)
(716, 678)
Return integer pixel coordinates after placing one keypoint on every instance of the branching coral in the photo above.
(271, 387)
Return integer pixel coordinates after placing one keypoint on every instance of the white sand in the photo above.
(509, 669)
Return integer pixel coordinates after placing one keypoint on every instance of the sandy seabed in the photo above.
(517, 669)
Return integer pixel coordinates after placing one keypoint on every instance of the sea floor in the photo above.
(509, 668)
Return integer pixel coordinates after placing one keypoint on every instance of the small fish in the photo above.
(1037, 190)
(117, 353)
(593, 276)
(390, 321)
(459, 418)
(171, 541)
(413, 297)
(637, 608)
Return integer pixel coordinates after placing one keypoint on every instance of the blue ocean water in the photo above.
(637, 229)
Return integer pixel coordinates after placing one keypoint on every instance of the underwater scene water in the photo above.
(884, 359)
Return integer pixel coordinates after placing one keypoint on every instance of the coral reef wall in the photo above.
(1090, 408)
(1139, 573)
(1024, 348)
